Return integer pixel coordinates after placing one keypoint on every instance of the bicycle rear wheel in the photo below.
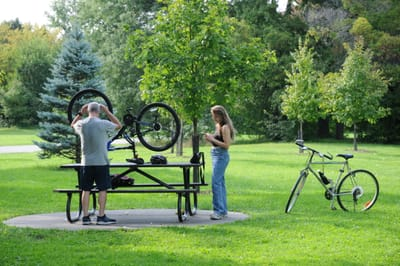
(158, 126)
(358, 191)
(86, 96)
(294, 194)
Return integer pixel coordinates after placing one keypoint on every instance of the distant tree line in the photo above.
(117, 31)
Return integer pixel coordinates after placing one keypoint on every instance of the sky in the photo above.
(33, 11)
(27, 11)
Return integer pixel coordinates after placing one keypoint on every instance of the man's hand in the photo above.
(104, 108)
(84, 108)
(78, 116)
(110, 116)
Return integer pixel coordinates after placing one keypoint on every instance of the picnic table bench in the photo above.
(186, 190)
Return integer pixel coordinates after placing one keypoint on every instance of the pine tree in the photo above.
(75, 68)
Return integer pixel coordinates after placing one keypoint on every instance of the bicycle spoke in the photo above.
(158, 126)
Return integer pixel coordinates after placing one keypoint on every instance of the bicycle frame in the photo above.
(331, 187)
(132, 146)
(354, 190)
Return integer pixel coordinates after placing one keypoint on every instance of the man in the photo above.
(93, 132)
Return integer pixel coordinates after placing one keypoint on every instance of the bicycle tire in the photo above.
(158, 126)
(85, 96)
(358, 191)
(295, 192)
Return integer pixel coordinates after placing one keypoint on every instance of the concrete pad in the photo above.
(126, 219)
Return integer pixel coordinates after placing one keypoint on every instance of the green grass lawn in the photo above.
(18, 136)
(259, 179)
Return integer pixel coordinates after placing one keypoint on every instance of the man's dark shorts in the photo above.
(100, 174)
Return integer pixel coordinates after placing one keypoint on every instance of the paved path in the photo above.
(127, 219)
(19, 149)
(34, 148)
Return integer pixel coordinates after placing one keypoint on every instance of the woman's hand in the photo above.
(209, 137)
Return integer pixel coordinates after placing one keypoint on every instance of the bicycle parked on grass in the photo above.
(356, 191)
(157, 125)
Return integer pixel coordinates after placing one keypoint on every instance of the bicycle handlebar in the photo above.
(328, 156)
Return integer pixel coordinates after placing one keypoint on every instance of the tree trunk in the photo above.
(339, 131)
(179, 143)
(355, 138)
(196, 149)
(78, 149)
(323, 128)
(300, 136)
(195, 138)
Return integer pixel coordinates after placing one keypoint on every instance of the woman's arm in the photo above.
(226, 135)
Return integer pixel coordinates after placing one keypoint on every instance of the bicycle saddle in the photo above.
(345, 156)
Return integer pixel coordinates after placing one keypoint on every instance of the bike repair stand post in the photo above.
(136, 158)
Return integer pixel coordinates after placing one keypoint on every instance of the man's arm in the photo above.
(111, 116)
(79, 115)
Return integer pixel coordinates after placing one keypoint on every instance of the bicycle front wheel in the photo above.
(294, 194)
(358, 191)
(158, 126)
(86, 96)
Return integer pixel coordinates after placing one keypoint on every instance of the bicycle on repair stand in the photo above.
(157, 126)
(355, 190)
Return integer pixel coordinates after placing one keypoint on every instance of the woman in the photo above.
(221, 140)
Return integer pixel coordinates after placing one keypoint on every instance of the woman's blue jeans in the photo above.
(220, 160)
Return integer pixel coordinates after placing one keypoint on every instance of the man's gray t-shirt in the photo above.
(93, 132)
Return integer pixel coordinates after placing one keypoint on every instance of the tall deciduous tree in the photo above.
(259, 113)
(75, 68)
(191, 60)
(377, 23)
(356, 94)
(300, 100)
(27, 54)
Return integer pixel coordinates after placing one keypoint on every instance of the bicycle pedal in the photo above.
(329, 193)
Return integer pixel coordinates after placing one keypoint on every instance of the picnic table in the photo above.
(186, 190)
